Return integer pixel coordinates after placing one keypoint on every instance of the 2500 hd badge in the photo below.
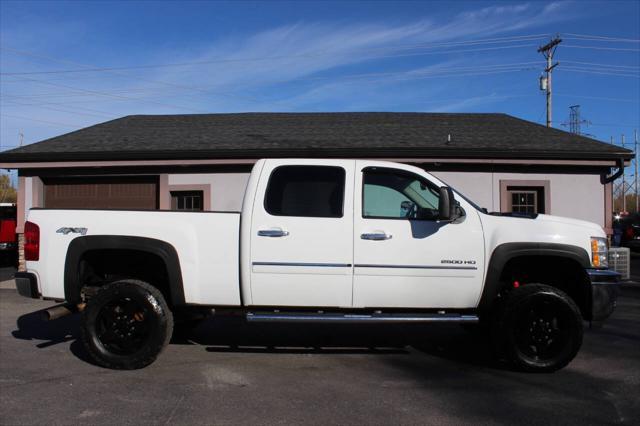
(457, 262)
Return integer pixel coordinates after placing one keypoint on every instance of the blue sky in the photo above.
(67, 65)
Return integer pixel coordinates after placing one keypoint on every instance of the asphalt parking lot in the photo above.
(231, 373)
(6, 272)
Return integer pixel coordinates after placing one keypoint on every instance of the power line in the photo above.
(481, 70)
(614, 125)
(403, 75)
(371, 78)
(443, 70)
(56, 103)
(141, 90)
(364, 75)
(458, 74)
(632, 67)
(434, 45)
(568, 95)
(607, 69)
(63, 110)
(494, 40)
(267, 58)
(116, 73)
(598, 40)
(593, 71)
(98, 93)
(399, 55)
(623, 49)
(42, 121)
(604, 38)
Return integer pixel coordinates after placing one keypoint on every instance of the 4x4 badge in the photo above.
(66, 230)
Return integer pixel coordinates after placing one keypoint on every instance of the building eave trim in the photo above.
(250, 161)
(449, 153)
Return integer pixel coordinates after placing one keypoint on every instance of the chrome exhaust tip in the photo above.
(58, 312)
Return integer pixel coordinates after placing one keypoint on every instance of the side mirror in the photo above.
(406, 208)
(446, 205)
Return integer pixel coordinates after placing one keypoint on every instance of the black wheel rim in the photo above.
(543, 330)
(123, 326)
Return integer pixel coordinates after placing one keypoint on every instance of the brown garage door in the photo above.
(102, 193)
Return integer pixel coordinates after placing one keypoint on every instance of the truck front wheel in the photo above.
(539, 328)
(126, 325)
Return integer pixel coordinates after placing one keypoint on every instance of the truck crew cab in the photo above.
(324, 240)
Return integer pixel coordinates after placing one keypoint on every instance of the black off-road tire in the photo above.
(126, 325)
(539, 328)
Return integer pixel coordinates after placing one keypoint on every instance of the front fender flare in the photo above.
(505, 252)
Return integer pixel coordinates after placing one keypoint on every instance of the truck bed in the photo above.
(207, 244)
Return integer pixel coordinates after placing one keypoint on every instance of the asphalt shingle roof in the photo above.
(255, 135)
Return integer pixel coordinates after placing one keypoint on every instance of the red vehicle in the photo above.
(627, 226)
(8, 238)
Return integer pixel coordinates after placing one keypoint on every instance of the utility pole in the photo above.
(613, 185)
(635, 160)
(624, 192)
(548, 50)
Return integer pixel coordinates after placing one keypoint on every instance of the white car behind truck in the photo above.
(324, 241)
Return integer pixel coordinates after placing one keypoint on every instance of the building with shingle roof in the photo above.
(202, 162)
(252, 135)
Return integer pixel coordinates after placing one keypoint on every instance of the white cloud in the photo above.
(269, 70)
(307, 48)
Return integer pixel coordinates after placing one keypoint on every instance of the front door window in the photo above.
(391, 194)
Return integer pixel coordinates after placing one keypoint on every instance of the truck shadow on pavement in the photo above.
(233, 334)
(463, 347)
(455, 343)
(31, 326)
(452, 367)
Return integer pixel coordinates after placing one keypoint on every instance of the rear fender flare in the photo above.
(81, 245)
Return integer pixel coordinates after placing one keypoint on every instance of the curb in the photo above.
(9, 284)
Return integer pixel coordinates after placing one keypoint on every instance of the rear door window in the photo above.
(306, 191)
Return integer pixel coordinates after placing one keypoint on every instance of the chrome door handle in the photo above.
(375, 236)
(272, 233)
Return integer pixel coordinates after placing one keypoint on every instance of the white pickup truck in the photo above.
(324, 240)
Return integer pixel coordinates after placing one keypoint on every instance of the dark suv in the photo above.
(628, 227)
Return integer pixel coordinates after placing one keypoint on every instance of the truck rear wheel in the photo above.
(126, 325)
(539, 328)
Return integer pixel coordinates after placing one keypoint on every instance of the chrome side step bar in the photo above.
(358, 318)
